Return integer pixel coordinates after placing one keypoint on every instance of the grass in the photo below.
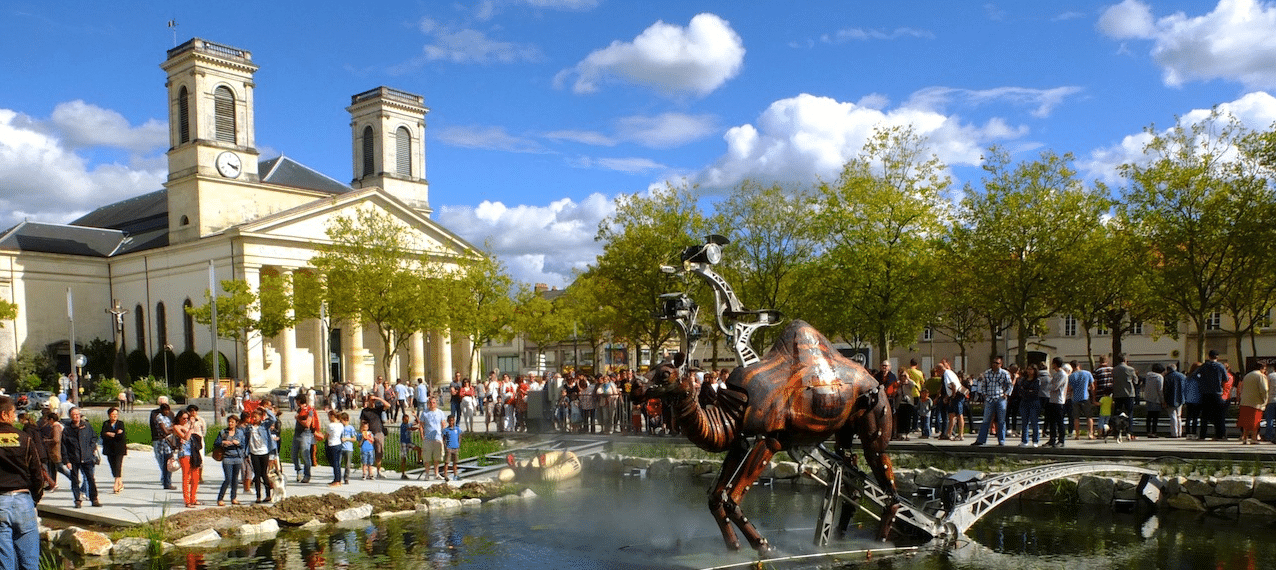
(664, 450)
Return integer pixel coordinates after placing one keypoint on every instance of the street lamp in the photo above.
(168, 349)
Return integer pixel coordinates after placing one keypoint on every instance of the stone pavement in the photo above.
(1140, 448)
(144, 500)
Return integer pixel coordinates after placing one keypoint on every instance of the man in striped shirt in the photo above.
(995, 386)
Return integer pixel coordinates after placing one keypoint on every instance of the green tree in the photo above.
(881, 221)
(239, 314)
(769, 262)
(1198, 207)
(480, 303)
(587, 306)
(539, 321)
(1019, 237)
(8, 312)
(375, 275)
(643, 234)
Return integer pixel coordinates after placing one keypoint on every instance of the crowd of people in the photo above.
(1056, 400)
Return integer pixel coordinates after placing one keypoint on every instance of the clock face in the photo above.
(228, 164)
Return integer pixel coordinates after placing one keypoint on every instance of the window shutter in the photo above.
(403, 151)
(224, 112)
(183, 117)
(369, 156)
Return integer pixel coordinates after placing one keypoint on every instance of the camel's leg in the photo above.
(875, 430)
(738, 483)
(718, 495)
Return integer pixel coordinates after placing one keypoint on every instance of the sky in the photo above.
(543, 111)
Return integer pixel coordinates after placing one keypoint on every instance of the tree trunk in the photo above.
(1089, 349)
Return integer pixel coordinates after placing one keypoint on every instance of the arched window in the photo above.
(139, 325)
(369, 152)
(161, 324)
(183, 116)
(185, 221)
(188, 326)
(403, 152)
(224, 114)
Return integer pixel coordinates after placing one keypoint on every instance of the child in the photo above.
(924, 405)
(406, 446)
(367, 449)
(348, 438)
(452, 441)
(1105, 411)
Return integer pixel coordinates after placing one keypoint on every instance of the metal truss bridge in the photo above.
(963, 498)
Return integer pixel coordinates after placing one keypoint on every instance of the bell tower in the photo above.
(388, 134)
(210, 110)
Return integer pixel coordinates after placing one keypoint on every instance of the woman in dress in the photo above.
(115, 446)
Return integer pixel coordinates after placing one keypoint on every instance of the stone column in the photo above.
(288, 345)
(321, 348)
(442, 343)
(357, 369)
(416, 357)
(253, 367)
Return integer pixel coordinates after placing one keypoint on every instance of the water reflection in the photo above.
(630, 523)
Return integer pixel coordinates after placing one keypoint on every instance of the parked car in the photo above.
(36, 400)
(279, 397)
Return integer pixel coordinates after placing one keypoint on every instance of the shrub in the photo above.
(222, 360)
(164, 364)
(189, 365)
(148, 389)
(26, 364)
(138, 365)
(105, 390)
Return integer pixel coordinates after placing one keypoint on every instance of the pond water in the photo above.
(631, 523)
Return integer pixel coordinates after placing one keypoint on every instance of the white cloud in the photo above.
(539, 244)
(667, 130)
(804, 137)
(629, 165)
(83, 125)
(860, 34)
(1237, 41)
(671, 59)
(45, 180)
(1129, 19)
(472, 46)
(1044, 100)
(490, 138)
(1256, 111)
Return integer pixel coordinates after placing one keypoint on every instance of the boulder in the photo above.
(1265, 488)
(1174, 485)
(312, 524)
(266, 527)
(662, 468)
(435, 504)
(66, 535)
(1236, 487)
(1213, 502)
(785, 470)
(201, 537)
(639, 462)
(88, 543)
(471, 502)
(1185, 502)
(1198, 488)
(131, 548)
(930, 477)
(1253, 506)
(705, 468)
(1125, 490)
(527, 494)
(682, 471)
(353, 513)
(1092, 490)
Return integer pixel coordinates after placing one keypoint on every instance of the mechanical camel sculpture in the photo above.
(799, 394)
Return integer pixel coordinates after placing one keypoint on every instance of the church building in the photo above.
(224, 207)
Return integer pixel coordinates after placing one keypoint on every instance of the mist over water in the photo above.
(630, 523)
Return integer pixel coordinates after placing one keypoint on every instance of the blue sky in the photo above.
(542, 111)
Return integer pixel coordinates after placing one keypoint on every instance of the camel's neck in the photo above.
(707, 427)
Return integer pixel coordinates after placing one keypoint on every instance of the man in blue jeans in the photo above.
(995, 386)
(161, 425)
(20, 487)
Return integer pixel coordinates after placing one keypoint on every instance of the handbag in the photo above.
(174, 464)
(218, 454)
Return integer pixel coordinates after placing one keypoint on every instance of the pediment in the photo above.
(309, 222)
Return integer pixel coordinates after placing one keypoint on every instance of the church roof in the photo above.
(284, 171)
(141, 222)
(61, 238)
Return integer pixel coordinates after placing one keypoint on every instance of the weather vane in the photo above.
(172, 25)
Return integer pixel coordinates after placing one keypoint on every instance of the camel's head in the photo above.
(669, 378)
